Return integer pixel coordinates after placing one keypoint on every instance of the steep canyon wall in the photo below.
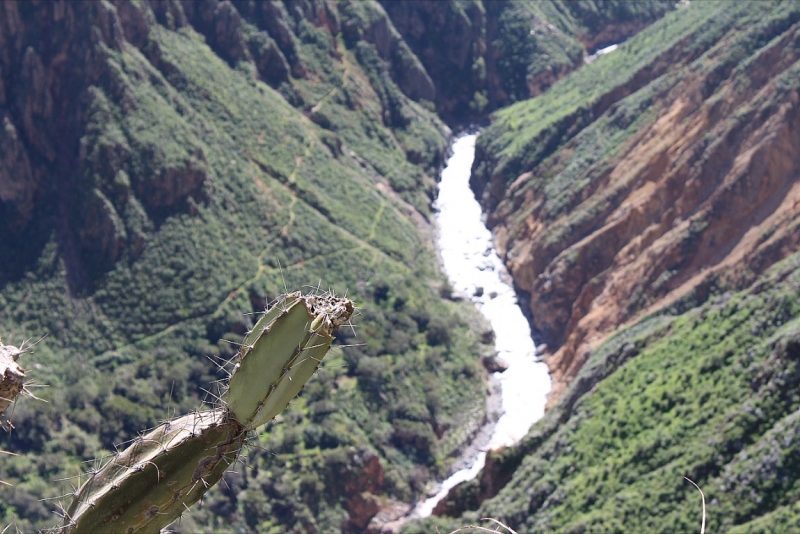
(168, 166)
(675, 177)
(647, 204)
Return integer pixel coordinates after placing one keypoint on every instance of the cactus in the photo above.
(162, 473)
(12, 376)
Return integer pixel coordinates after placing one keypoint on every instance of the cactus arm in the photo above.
(280, 355)
(146, 487)
(265, 360)
(281, 306)
(157, 478)
(302, 367)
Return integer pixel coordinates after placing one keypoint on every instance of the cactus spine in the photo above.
(151, 483)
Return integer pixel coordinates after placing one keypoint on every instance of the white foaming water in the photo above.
(471, 262)
(600, 52)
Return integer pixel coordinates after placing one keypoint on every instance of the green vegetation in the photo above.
(530, 46)
(538, 42)
(709, 388)
(709, 395)
(712, 394)
(213, 154)
(525, 134)
(206, 193)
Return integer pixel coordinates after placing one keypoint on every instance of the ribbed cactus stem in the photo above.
(300, 330)
(158, 477)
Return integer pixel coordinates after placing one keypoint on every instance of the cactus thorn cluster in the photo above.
(12, 376)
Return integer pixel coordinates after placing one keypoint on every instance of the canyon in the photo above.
(169, 166)
(668, 187)
(627, 207)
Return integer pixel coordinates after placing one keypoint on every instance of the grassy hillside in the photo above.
(711, 393)
(196, 193)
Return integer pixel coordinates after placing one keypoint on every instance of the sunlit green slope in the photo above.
(196, 193)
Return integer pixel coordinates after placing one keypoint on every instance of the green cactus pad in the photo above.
(281, 353)
(156, 479)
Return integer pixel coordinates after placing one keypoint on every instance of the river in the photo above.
(477, 273)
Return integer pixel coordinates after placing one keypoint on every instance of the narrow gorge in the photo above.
(646, 206)
(478, 275)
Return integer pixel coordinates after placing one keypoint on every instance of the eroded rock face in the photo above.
(45, 73)
(63, 165)
(448, 41)
(221, 23)
(363, 481)
(705, 192)
(474, 51)
(407, 71)
(17, 179)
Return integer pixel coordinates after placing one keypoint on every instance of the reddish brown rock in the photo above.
(706, 194)
(363, 481)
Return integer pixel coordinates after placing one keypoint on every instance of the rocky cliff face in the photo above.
(61, 86)
(485, 55)
(647, 206)
(678, 179)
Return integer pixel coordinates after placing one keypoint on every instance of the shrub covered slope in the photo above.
(162, 190)
(712, 393)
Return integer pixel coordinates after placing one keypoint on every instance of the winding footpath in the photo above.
(477, 273)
